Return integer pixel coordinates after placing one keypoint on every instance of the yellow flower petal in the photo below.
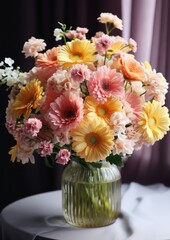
(154, 122)
(77, 52)
(27, 99)
(92, 140)
(104, 110)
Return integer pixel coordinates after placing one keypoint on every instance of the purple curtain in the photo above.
(148, 22)
(20, 20)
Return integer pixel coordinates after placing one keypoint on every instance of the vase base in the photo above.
(95, 224)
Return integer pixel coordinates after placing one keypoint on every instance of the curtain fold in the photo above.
(149, 26)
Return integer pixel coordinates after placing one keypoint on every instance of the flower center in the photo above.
(92, 139)
(152, 122)
(106, 86)
(70, 113)
(101, 111)
(77, 56)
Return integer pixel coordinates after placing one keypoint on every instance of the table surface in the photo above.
(145, 215)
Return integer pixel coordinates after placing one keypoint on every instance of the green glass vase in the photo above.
(91, 197)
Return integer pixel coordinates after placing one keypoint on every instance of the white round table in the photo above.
(40, 217)
(145, 216)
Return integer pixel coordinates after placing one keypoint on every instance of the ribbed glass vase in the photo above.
(91, 197)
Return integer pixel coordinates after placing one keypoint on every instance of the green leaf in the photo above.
(115, 159)
(87, 164)
(96, 164)
(49, 162)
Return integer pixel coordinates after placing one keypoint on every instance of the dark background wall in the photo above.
(20, 20)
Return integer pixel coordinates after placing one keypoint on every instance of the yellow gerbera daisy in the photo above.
(147, 66)
(103, 110)
(92, 140)
(77, 52)
(22, 153)
(118, 46)
(27, 99)
(13, 153)
(154, 121)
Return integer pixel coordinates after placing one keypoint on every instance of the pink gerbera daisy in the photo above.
(105, 83)
(50, 96)
(65, 112)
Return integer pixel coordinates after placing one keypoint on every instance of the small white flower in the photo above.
(1, 63)
(11, 76)
(1, 74)
(9, 61)
(22, 78)
(117, 23)
(57, 34)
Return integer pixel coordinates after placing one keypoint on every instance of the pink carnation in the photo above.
(79, 73)
(99, 34)
(78, 33)
(72, 34)
(123, 145)
(103, 43)
(119, 121)
(32, 127)
(62, 138)
(63, 156)
(156, 86)
(33, 46)
(82, 30)
(10, 125)
(104, 83)
(133, 134)
(45, 148)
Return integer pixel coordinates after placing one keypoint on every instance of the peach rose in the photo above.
(131, 68)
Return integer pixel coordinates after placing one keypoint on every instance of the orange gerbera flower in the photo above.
(27, 99)
(48, 59)
(103, 110)
(131, 68)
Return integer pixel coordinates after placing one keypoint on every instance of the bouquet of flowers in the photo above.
(86, 100)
